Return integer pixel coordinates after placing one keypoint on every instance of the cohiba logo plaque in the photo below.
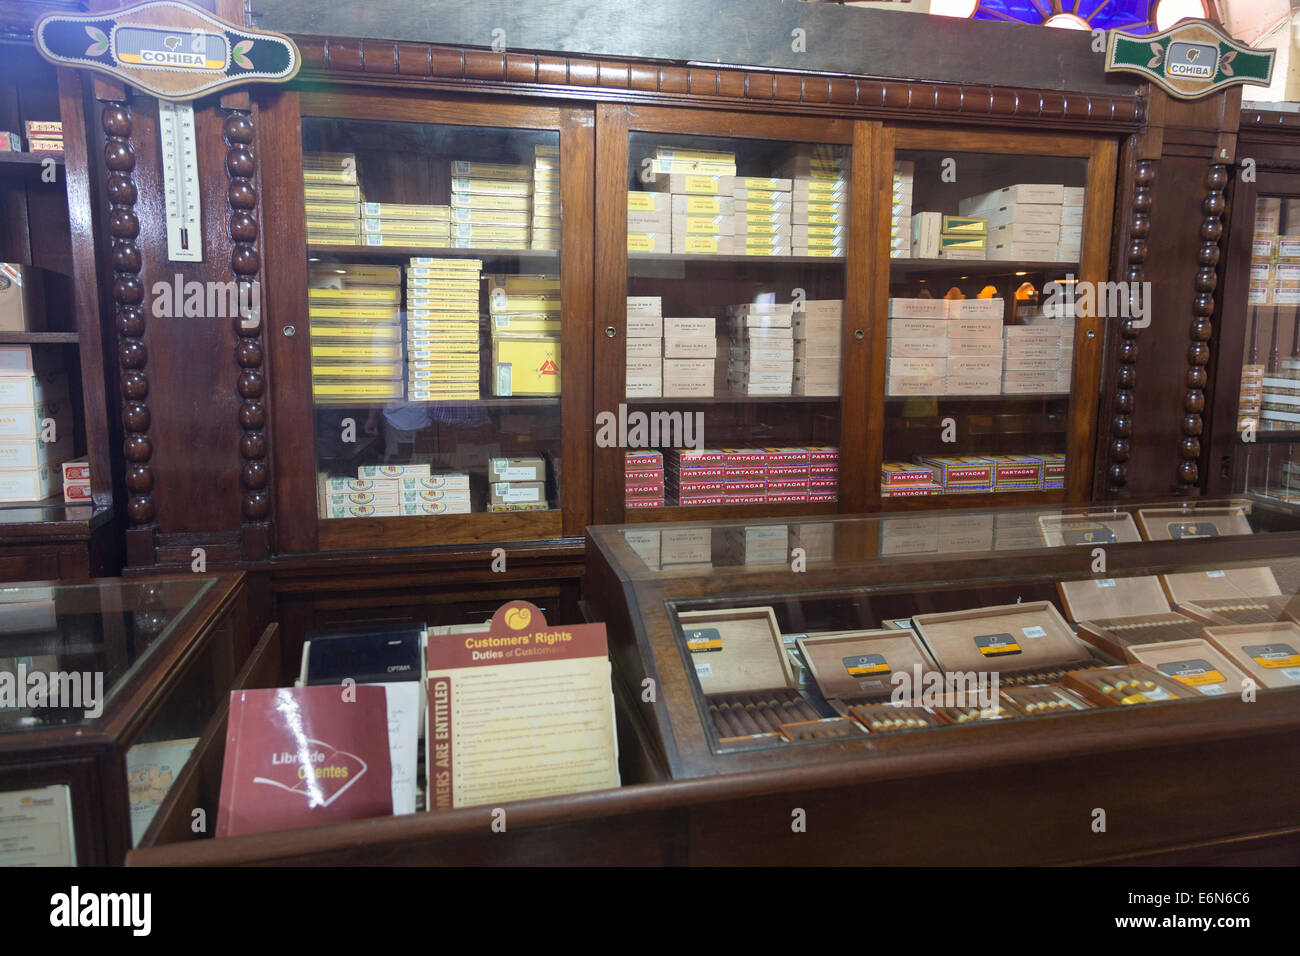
(166, 48)
(1189, 60)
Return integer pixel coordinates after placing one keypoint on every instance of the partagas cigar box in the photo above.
(1165, 524)
(1124, 685)
(1028, 642)
(1116, 613)
(744, 671)
(1269, 653)
(1193, 663)
(1091, 529)
(853, 667)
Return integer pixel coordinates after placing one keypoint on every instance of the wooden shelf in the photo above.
(29, 159)
(730, 399)
(721, 512)
(436, 252)
(39, 338)
(990, 399)
(765, 260)
(977, 267)
(987, 499)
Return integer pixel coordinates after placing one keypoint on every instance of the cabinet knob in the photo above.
(859, 335)
(610, 331)
(1090, 334)
(289, 331)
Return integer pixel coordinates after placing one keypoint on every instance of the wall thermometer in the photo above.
(180, 181)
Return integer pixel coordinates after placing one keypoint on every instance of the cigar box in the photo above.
(1124, 685)
(1020, 640)
(890, 719)
(1023, 251)
(690, 347)
(827, 728)
(853, 667)
(1092, 529)
(516, 493)
(1024, 232)
(692, 184)
(1164, 524)
(1048, 193)
(1268, 653)
(1116, 613)
(333, 392)
(1196, 664)
(717, 244)
(917, 367)
(927, 328)
(644, 348)
(525, 364)
(975, 327)
(917, 309)
(653, 242)
(516, 469)
(1040, 700)
(489, 193)
(736, 650)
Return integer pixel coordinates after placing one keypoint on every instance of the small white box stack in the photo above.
(900, 220)
(817, 332)
(546, 197)
(1031, 222)
(1038, 357)
(761, 357)
(35, 426)
(645, 333)
(690, 351)
(945, 347)
(76, 481)
(974, 347)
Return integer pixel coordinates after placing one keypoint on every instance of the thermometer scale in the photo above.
(180, 181)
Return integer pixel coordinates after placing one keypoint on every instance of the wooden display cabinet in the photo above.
(402, 145)
(684, 800)
(167, 649)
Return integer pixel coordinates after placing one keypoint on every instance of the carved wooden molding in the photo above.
(245, 263)
(1135, 255)
(129, 311)
(397, 62)
(1198, 353)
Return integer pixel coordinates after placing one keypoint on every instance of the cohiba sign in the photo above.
(1189, 60)
(166, 48)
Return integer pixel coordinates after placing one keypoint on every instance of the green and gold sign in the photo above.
(1189, 60)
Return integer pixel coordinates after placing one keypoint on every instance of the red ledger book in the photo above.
(304, 756)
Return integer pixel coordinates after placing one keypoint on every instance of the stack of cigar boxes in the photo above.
(525, 316)
(939, 236)
(763, 216)
(901, 479)
(545, 226)
(643, 479)
(490, 205)
(961, 474)
(975, 350)
(34, 395)
(442, 328)
(1275, 255)
(356, 332)
(44, 136)
(650, 217)
(818, 329)
(1031, 222)
(690, 349)
(944, 347)
(393, 490)
(645, 346)
(517, 484)
(696, 477)
(900, 217)
(820, 216)
(1039, 357)
(331, 199)
(404, 224)
(761, 359)
(76, 481)
(682, 173)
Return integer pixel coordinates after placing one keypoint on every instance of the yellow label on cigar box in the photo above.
(751, 220)
(829, 232)
(763, 184)
(442, 352)
(419, 284)
(823, 242)
(485, 193)
(332, 240)
(341, 177)
(397, 210)
(332, 210)
(349, 227)
(402, 227)
(325, 191)
(357, 370)
(961, 242)
(645, 241)
(355, 296)
(377, 313)
(428, 265)
(502, 302)
(830, 188)
(997, 645)
(702, 225)
(767, 250)
(440, 302)
(460, 167)
(461, 377)
(1193, 673)
(701, 245)
(373, 353)
(464, 230)
(824, 207)
(526, 364)
(377, 333)
(467, 363)
(695, 155)
(490, 217)
(351, 272)
(705, 185)
(356, 389)
(403, 241)
(525, 283)
(821, 219)
(829, 252)
(512, 323)
(700, 205)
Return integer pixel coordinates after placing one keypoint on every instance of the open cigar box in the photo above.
(855, 667)
(1092, 529)
(1196, 664)
(1027, 643)
(1037, 700)
(744, 672)
(1234, 596)
(891, 719)
(1173, 524)
(1124, 685)
(1270, 653)
(1114, 613)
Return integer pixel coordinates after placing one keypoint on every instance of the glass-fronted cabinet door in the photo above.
(729, 301)
(445, 358)
(987, 350)
(1267, 415)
